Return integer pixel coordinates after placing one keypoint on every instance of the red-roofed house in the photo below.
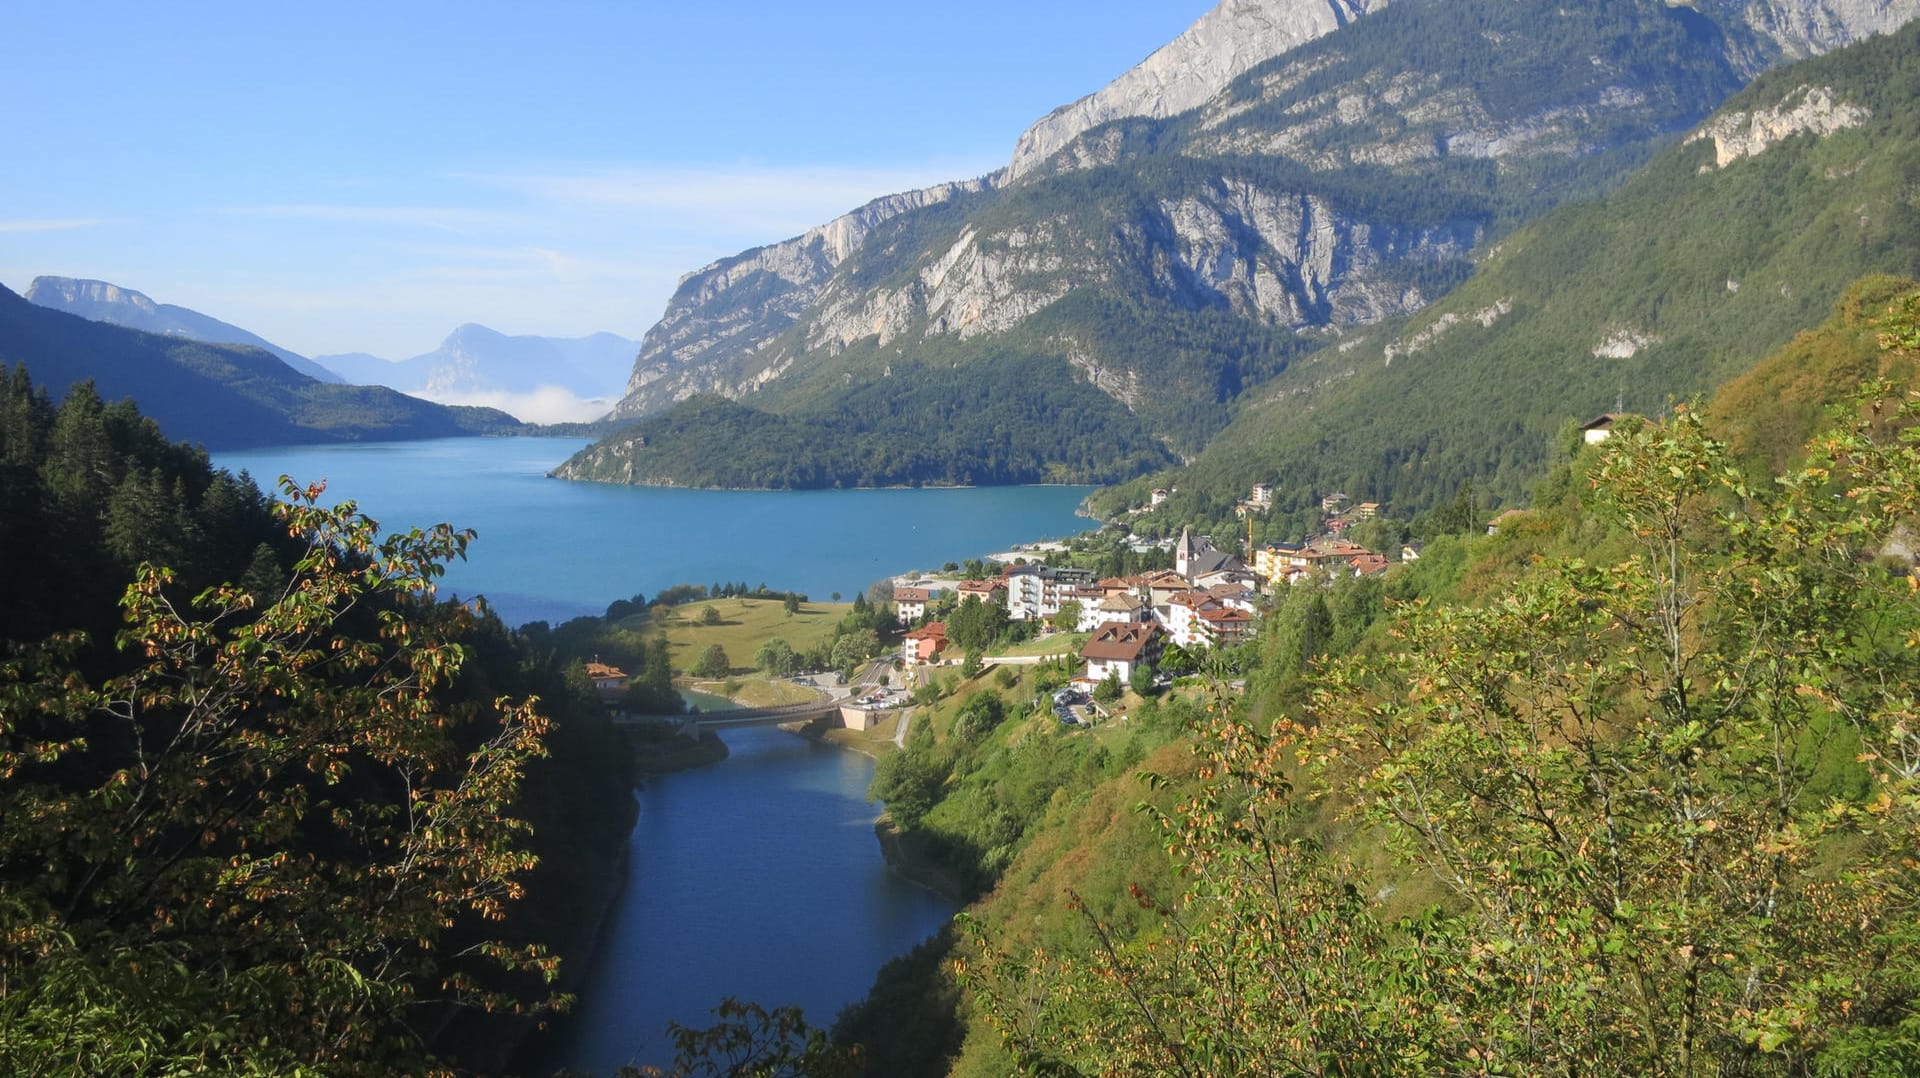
(992, 591)
(606, 677)
(1122, 607)
(609, 681)
(1197, 619)
(922, 644)
(1218, 626)
(1369, 564)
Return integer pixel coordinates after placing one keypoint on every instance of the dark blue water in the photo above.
(552, 550)
(758, 878)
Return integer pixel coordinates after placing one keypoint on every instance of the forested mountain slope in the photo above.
(222, 396)
(100, 301)
(1711, 257)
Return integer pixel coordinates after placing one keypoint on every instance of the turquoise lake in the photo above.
(758, 877)
(549, 550)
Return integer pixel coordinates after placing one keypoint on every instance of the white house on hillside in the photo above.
(1120, 648)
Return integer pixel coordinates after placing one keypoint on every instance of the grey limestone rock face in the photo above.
(1803, 28)
(738, 304)
(1185, 73)
(76, 294)
(1809, 110)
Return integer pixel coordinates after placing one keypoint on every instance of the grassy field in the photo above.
(757, 690)
(745, 624)
(1057, 644)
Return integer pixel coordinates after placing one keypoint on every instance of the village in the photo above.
(1209, 599)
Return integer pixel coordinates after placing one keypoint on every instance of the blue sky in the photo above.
(350, 177)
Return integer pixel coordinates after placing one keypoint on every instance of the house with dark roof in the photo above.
(1600, 428)
(910, 604)
(1119, 648)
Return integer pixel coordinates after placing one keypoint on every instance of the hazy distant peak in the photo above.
(543, 379)
(63, 292)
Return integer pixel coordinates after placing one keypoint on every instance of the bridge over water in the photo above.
(740, 717)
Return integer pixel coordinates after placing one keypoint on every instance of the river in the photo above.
(758, 877)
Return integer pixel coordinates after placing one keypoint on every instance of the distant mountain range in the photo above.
(1279, 181)
(223, 396)
(100, 301)
(539, 379)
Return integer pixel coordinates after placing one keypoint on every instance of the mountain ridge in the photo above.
(103, 301)
(540, 378)
(1729, 243)
(223, 396)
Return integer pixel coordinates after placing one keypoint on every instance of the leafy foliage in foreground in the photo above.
(251, 846)
(288, 824)
(1672, 796)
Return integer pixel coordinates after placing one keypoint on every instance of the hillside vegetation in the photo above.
(268, 807)
(1626, 788)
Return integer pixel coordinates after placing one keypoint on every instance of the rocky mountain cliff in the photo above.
(1183, 74)
(100, 301)
(1349, 175)
(741, 302)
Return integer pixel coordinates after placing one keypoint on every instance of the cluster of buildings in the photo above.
(1207, 600)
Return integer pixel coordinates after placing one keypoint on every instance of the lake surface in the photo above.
(550, 550)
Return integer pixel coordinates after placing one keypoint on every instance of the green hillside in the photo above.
(994, 422)
(221, 396)
(1620, 795)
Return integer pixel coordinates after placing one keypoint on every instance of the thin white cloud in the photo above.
(790, 197)
(435, 218)
(548, 404)
(57, 224)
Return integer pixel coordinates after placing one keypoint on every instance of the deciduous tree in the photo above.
(254, 849)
